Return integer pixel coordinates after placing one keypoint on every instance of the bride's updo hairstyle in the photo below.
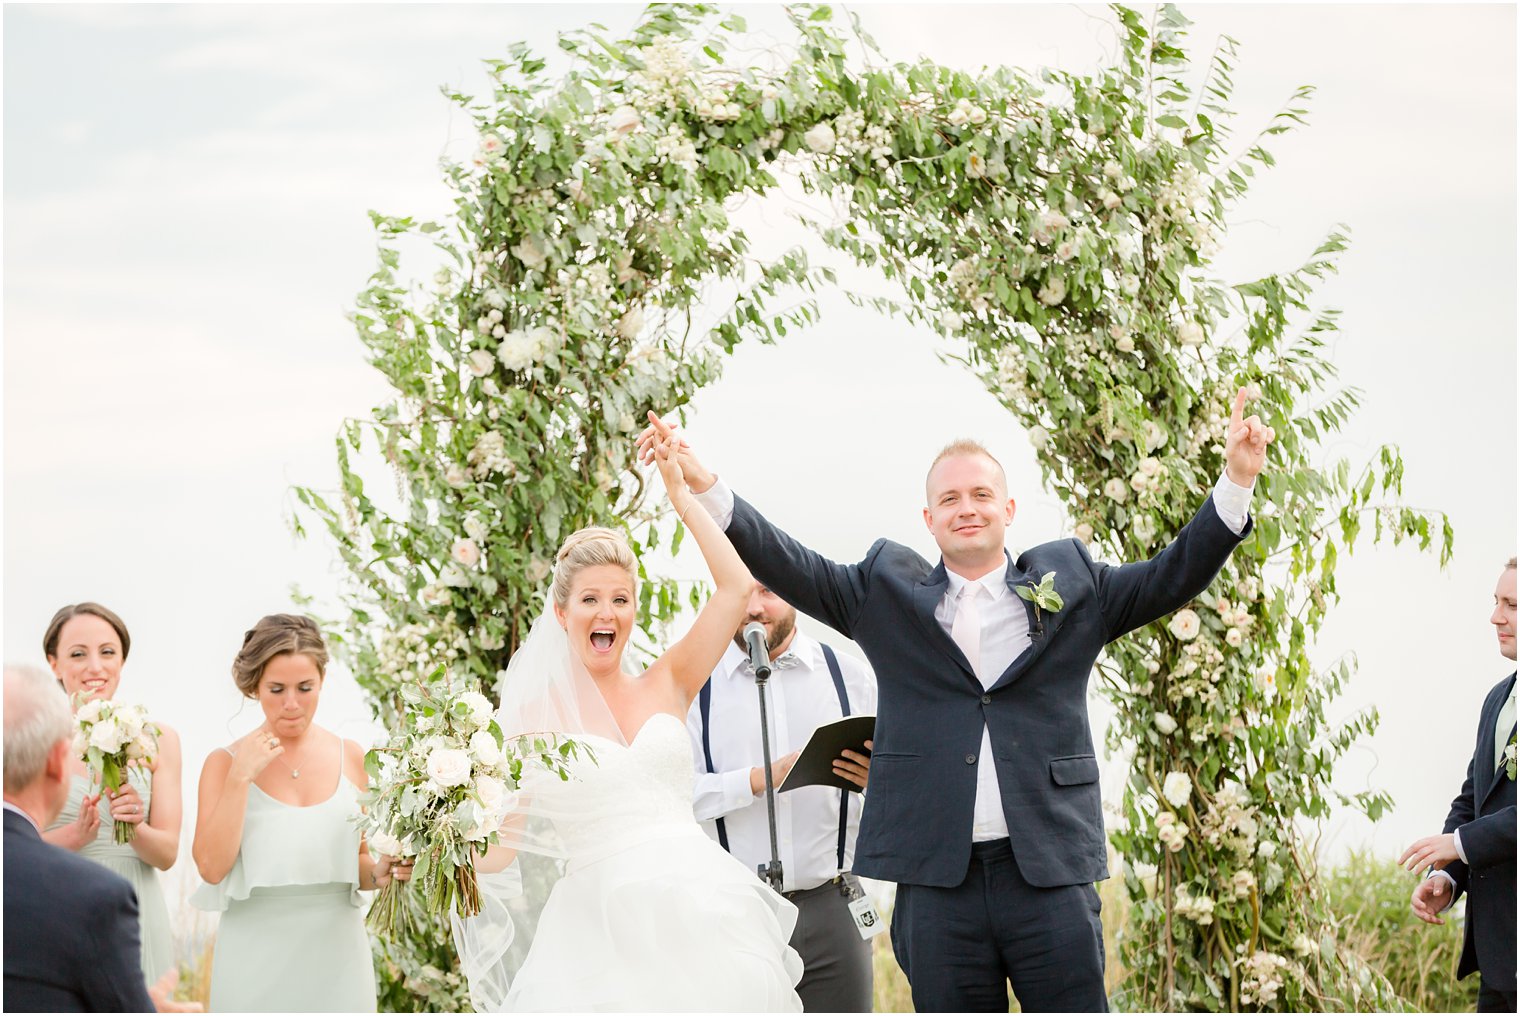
(588, 548)
(273, 636)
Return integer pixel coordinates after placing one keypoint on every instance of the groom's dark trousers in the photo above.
(71, 930)
(1483, 814)
(971, 919)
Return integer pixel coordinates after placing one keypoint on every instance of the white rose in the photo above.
(1184, 624)
(978, 115)
(1154, 437)
(1176, 788)
(976, 166)
(1150, 466)
(1234, 637)
(479, 707)
(382, 842)
(958, 116)
(435, 593)
(1039, 437)
(448, 767)
(1190, 334)
(516, 350)
(624, 120)
(1115, 490)
(456, 477)
(1125, 345)
(820, 139)
(1111, 200)
(951, 321)
(1165, 723)
(1053, 292)
(452, 575)
(465, 552)
(491, 793)
(481, 362)
(631, 323)
(1065, 250)
(484, 747)
(90, 711)
(1084, 532)
(108, 736)
(1129, 285)
(474, 528)
(1112, 170)
(1144, 528)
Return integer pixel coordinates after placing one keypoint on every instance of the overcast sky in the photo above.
(186, 192)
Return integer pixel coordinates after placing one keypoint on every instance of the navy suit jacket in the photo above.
(916, 827)
(71, 931)
(1484, 815)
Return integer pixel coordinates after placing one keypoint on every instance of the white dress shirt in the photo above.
(798, 699)
(1004, 630)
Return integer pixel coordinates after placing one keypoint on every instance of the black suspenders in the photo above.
(704, 705)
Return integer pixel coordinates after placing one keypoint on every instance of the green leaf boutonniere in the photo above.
(1043, 596)
(1509, 759)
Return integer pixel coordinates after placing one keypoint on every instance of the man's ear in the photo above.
(58, 759)
(928, 521)
(1008, 511)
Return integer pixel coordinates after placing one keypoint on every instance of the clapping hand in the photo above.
(1433, 851)
(1245, 444)
(1431, 897)
(84, 827)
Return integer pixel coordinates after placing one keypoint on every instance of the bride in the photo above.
(605, 893)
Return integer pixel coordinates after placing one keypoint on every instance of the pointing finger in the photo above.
(1240, 405)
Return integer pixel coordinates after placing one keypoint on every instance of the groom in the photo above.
(984, 803)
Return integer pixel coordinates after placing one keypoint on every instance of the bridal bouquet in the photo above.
(111, 737)
(439, 789)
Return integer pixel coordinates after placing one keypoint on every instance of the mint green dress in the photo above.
(291, 937)
(154, 933)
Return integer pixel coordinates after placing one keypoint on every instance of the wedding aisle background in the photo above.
(185, 199)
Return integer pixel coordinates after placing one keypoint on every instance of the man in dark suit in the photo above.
(1475, 852)
(984, 804)
(70, 925)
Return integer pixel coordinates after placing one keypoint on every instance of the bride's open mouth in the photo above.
(602, 639)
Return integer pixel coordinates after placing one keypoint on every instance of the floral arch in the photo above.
(1062, 228)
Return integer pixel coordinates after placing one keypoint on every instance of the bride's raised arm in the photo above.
(693, 658)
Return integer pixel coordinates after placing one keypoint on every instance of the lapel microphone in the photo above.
(759, 658)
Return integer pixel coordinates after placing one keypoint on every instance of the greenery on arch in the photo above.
(1059, 229)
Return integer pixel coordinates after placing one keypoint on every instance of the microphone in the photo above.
(759, 658)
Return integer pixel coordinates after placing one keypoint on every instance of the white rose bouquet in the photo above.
(438, 792)
(112, 736)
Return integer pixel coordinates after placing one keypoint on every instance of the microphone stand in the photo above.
(770, 871)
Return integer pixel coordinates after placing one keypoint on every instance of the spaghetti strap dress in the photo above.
(291, 936)
(154, 933)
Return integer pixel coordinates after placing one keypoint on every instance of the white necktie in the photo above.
(1502, 728)
(966, 629)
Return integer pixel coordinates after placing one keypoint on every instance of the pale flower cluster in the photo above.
(1198, 909)
(854, 136)
(1263, 977)
(523, 347)
(1231, 822)
(116, 730)
(1171, 832)
(675, 146)
(965, 111)
(413, 650)
(489, 455)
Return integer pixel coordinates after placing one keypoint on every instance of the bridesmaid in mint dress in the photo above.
(276, 843)
(86, 645)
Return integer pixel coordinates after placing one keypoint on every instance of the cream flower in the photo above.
(820, 139)
(484, 747)
(631, 323)
(1039, 437)
(1084, 532)
(382, 842)
(448, 767)
(1190, 334)
(1053, 292)
(465, 552)
(455, 476)
(1111, 200)
(1176, 788)
(1234, 637)
(1116, 490)
(976, 166)
(529, 252)
(1185, 624)
(1165, 723)
(478, 706)
(491, 793)
(1125, 344)
(480, 362)
(624, 120)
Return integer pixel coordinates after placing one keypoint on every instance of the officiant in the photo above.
(810, 684)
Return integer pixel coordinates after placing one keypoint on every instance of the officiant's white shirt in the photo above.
(1005, 633)
(798, 700)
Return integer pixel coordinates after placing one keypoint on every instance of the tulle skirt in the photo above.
(670, 924)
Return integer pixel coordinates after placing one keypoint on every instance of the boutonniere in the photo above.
(1043, 596)
(1509, 759)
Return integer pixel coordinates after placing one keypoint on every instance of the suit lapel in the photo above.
(927, 596)
(1042, 626)
(1497, 773)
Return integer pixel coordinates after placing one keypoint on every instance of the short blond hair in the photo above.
(959, 448)
(588, 548)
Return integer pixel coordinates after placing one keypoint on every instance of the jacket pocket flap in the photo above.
(1074, 770)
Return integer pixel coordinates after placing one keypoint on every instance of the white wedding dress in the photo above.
(649, 914)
